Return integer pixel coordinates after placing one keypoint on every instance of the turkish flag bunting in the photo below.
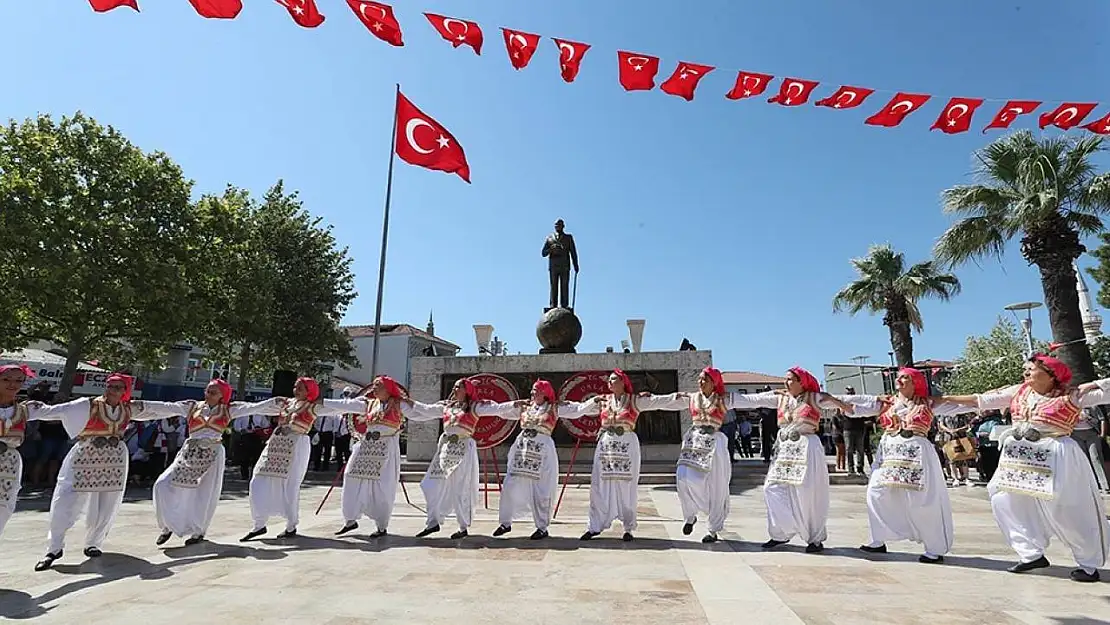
(379, 20)
(218, 9)
(303, 12)
(100, 6)
(846, 97)
(637, 71)
(422, 141)
(1011, 111)
(457, 31)
(1068, 115)
(793, 92)
(570, 57)
(1100, 126)
(685, 79)
(749, 85)
(956, 116)
(520, 46)
(899, 107)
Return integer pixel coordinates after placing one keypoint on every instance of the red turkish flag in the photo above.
(570, 57)
(899, 107)
(422, 141)
(749, 85)
(637, 71)
(100, 6)
(846, 97)
(793, 92)
(218, 9)
(1100, 126)
(956, 116)
(1011, 111)
(684, 80)
(457, 31)
(520, 46)
(303, 12)
(379, 20)
(1068, 115)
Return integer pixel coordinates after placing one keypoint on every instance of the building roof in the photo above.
(338, 384)
(930, 363)
(750, 377)
(40, 357)
(395, 329)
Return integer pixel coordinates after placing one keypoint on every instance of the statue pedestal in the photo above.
(558, 331)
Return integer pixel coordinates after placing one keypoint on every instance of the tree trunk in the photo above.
(901, 336)
(244, 370)
(74, 351)
(1061, 298)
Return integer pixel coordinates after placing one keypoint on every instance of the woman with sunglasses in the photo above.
(1044, 486)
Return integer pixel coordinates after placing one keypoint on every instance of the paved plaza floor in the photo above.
(662, 577)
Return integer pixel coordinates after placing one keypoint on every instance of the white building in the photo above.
(400, 343)
(48, 367)
(865, 379)
(750, 381)
(1092, 321)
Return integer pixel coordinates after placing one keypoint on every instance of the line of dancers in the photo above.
(1042, 489)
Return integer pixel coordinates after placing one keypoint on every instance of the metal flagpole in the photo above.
(574, 293)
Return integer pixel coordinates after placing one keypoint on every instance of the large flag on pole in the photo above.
(422, 141)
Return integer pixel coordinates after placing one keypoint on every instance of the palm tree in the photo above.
(1047, 191)
(886, 285)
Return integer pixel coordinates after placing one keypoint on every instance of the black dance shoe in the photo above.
(48, 561)
(1025, 567)
(353, 525)
(163, 538)
(428, 531)
(253, 534)
(502, 530)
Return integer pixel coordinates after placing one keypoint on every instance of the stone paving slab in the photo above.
(662, 577)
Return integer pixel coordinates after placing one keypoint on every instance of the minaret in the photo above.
(1092, 321)
(432, 326)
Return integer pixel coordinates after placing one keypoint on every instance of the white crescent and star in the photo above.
(410, 132)
(638, 62)
(1071, 112)
(790, 88)
(842, 102)
(569, 49)
(447, 21)
(1012, 113)
(744, 83)
(362, 10)
(298, 9)
(962, 108)
(899, 104)
(685, 72)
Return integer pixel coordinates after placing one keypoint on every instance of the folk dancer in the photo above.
(94, 473)
(186, 494)
(451, 481)
(371, 476)
(532, 474)
(13, 426)
(796, 490)
(616, 471)
(907, 498)
(1044, 486)
(275, 487)
(704, 462)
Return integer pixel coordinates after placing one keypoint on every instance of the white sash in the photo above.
(614, 454)
(789, 465)
(448, 457)
(903, 465)
(99, 469)
(697, 449)
(527, 457)
(9, 475)
(193, 461)
(369, 459)
(1026, 468)
(277, 457)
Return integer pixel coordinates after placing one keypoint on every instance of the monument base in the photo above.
(557, 350)
(558, 331)
(432, 378)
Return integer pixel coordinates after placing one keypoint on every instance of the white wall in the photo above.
(869, 383)
(393, 359)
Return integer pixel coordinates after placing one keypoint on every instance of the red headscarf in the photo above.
(545, 389)
(624, 378)
(311, 387)
(809, 383)
(128, 384)
(390, 385)
(717, 378)
(920, 384)
(27, 371)
(225, 390)
(1055, 366)
(469, 389)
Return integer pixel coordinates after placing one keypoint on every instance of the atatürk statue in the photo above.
(561, 255)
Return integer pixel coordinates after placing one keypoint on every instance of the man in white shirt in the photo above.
(1088, 432)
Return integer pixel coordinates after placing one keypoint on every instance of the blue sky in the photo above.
(730, 223)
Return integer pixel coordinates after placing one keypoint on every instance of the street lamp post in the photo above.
(1026, 323)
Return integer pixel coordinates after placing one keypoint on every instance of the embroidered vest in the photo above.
(13, 434)
(300, 415)
(805, 415)
(218, 419)
(919, 418)
(1051, 415)
(459, 418)
(626, 418)
(543, 420)
(100, 425)
(715, 416)
(388, 415)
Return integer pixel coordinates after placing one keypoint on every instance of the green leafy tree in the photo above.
(95, 236)
(990, 362)
(1047, 191)
(885, 285)
(1100, 354)
(279, 288)
(1100, 347)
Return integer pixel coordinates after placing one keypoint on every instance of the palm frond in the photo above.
(913, 315)
(972, 238)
